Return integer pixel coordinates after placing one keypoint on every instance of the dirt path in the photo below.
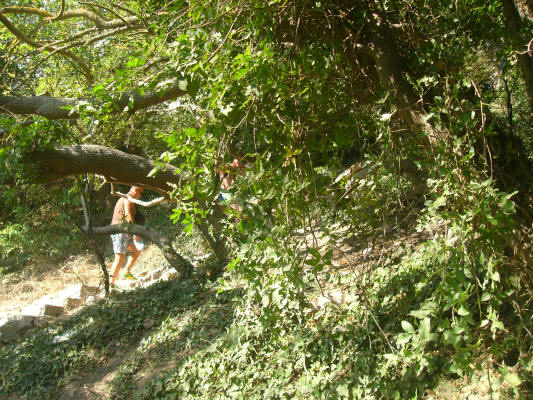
(93, 385)
(41, 279)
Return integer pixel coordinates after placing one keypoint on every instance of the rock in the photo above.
(148, 323)
(131, 284)
(156, 274)
(15, 327)
(9, 333)
(24, 324)
(169, 274)
(72, 303)
(73, 296)
(91, 291)
(33, 309)
(126, 284)
(39, 322)
(52, 310)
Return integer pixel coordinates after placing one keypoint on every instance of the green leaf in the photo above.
(315, 253)
(408, 327)
(425, 329)
(486, 296)
(153, 172)
(403, 338)
(419, 313)
(194, 87)
(513, 379)
(462, 311)
(182, 85)
(192, 132)
(343, 391)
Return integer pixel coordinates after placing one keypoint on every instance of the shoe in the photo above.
(130, 276)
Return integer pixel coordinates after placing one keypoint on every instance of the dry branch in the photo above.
(21, 36)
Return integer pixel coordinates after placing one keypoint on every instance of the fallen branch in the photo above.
(177, 261)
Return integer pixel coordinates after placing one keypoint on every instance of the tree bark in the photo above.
(55, 108)
(519, 43)
(64, 161)
(388, 65)
(216, 239)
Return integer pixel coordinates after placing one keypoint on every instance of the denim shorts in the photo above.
(225, 197)
(121, 241)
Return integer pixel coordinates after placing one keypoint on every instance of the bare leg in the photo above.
(117, 264)
(134, 254)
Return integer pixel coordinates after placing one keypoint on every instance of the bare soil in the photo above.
(44, 278)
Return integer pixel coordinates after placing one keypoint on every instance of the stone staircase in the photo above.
(20, 322)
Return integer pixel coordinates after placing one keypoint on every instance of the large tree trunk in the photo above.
(519, 43)
(215, 238)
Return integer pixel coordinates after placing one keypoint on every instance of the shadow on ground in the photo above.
(127, 339)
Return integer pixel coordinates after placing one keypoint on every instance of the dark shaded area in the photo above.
(87, 340)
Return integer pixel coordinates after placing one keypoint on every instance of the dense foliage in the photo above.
(426, 105)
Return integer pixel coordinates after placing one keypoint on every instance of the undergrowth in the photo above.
(445, 297)
(38, 366)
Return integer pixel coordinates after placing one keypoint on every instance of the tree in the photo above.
(374, 68)
(421, 103)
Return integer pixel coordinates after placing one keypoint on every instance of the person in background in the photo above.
(227, 177)
(124, 212)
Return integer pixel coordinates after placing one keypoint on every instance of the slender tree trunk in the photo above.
(219, 245)
(519, 43)
(388, 64)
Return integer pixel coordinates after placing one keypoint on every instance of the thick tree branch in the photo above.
(525, 59)
(61, 12)
(177, 261)
(105, 8)
(137, 201)
(64, 161)
(75, 13)
(55, 108)
(70, 43)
